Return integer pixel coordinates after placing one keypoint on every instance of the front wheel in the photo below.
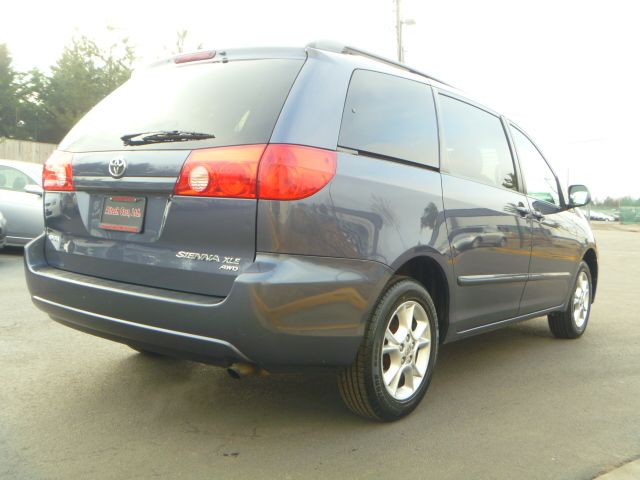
(573, 321)
(395, 361)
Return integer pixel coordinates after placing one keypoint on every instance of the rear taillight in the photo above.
(58, 172)
(221, 172)
(273, 172)
(292, 172)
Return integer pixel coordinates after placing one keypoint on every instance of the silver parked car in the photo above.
(3, 232)
(21, 200)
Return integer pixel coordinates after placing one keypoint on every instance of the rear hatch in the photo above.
(121, 219)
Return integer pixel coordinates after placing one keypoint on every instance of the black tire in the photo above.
(564, 324)
(361, 385)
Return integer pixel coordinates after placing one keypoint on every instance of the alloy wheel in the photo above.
(406, 350)
(581, 300)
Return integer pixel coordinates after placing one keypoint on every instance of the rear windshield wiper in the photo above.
(164, 136)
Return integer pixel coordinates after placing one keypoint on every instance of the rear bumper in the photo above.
(283, 312)
(17, 241)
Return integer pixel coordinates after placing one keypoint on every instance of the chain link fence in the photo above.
(629, 214)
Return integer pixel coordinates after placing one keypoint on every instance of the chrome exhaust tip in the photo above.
(240, 370)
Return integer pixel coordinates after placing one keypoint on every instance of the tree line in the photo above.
(615, 202)
(43, 106)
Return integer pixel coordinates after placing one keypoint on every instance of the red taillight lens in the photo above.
(221, 172)
(194, 57)
(292, 172)
(58, 172)
(286, 172)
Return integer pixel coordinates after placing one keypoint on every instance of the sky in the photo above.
(566, 71)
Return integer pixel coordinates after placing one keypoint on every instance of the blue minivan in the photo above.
(278, 209)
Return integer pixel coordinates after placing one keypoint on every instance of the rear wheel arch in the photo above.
(432, 277)
(591, 259)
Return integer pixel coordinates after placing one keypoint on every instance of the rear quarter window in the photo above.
(390, 116)
(238, 102)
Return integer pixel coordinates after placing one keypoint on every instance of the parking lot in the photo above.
(515, 403)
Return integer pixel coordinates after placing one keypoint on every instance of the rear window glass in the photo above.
(391, 116)
(238, 102)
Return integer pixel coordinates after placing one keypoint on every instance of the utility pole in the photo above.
(399, 32)
(399, 24)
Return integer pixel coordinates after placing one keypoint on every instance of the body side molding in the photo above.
(470, 280)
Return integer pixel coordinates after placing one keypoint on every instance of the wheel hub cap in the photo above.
(406, 350)
(581, 300)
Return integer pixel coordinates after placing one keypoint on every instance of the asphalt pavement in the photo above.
(511, 404)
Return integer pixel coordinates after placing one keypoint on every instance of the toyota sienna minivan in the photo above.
(284, 209)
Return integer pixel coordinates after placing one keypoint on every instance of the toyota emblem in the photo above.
(117, 167)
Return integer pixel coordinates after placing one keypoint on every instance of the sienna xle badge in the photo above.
(289, 209)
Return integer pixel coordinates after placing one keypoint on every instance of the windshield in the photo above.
(238, 101)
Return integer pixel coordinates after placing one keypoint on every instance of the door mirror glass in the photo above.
(579, 196)
(35, 189)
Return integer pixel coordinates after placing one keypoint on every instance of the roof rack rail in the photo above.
(338, 47)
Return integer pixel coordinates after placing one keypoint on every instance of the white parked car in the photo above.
(602, 217)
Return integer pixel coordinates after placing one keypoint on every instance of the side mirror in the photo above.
(579, 196)
(35, 189)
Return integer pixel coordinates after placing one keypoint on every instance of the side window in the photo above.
(12, 179)
(391, 116)
(475, 144)
(539, 179)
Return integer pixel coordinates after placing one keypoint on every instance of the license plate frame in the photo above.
(123, 213)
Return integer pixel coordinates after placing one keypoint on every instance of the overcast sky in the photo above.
(566, 71)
